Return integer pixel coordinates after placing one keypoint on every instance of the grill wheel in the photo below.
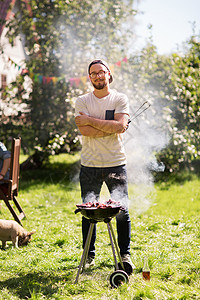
(118, 278)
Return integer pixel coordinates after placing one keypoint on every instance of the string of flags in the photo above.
(15, 64)
(73, 81)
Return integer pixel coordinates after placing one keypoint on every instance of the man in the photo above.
(4, 166)
(102, 116)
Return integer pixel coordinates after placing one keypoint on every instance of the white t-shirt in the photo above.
(102, 151)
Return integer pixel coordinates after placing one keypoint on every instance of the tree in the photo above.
(60, 38)
(185, 78)
(171, 84)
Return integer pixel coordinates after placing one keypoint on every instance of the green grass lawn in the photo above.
(167, 231)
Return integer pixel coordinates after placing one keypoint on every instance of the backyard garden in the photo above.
(167, 233)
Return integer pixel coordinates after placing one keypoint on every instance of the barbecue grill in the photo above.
(104, 214)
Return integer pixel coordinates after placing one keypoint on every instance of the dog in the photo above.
(11, 231)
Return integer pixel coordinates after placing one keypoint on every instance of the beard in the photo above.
(100, 85)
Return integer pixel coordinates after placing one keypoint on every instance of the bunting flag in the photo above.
(15, 64)
(112, 67)
(74, 81)
(84, 79)
(54, 79)
(118, 63)
(125, 59)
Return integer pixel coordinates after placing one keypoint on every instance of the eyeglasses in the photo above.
(101, 73)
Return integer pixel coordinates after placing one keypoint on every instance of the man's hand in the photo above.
(82, 120)
(1, 177)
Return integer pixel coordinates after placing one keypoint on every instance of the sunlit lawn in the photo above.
(168, 233)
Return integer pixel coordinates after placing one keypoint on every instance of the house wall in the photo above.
(11, 64)
(13, 57)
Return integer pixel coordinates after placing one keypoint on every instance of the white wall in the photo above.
(8, 59)
(15, 54)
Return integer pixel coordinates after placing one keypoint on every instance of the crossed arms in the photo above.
(93, 127)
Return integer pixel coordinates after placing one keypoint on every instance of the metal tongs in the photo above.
(139, 111)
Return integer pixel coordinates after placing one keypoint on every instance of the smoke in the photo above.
(146, 136)
(90, 197)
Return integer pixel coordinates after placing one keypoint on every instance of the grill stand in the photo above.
(85, 251)
(119, 276)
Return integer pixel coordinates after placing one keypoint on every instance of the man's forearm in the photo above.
(107, 126)
(118, 125)
(92, 132)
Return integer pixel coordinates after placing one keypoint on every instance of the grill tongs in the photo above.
(139, 111)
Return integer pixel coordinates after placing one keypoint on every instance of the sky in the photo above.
(171, 22)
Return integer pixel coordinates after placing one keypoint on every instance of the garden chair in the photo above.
(10, 193)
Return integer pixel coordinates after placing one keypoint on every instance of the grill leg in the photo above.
(110, 230)
(112, 244)
(85, 251)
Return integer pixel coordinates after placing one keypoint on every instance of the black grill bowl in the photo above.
(99, 214)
